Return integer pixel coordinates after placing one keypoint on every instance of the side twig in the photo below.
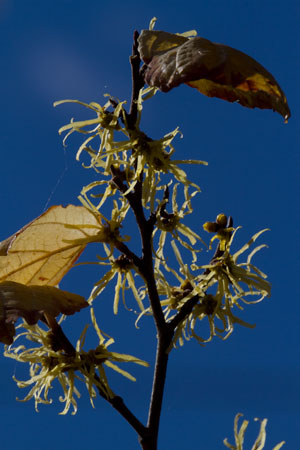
(60, 341)
(137, 82)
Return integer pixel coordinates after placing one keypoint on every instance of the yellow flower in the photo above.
(239, 435)
(106, 123)
(150, 158)
(219, 289)
(47, 365)
(122, 268)
(171, 223)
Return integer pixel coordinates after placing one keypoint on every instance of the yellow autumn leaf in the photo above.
(31, 303)
(43, 251)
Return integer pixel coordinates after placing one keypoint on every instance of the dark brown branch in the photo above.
(144, 264)
(134, 197)
(137, 82)
(160, 373)
(127, 252)
(58, 339)
(118, 404)
(184, 312)
(148, 436)
(148, 439)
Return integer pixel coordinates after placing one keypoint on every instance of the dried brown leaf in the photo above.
(31, 303)
(215, 70)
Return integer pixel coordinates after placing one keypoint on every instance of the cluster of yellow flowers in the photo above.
(135, 157)
(218, 288)
(47, 365)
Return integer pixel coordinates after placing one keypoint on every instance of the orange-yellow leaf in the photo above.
(215, 70)
(44, 250)
(31, 303)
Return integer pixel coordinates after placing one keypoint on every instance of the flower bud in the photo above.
(221, 220)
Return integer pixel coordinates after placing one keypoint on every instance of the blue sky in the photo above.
(79, 49)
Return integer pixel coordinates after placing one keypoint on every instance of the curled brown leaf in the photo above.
(215, 70)
(32, 303)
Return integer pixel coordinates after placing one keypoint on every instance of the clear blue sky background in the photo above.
(58, 49)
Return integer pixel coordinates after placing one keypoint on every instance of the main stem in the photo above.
(164, 338)
(148, 436)
(148, 439)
